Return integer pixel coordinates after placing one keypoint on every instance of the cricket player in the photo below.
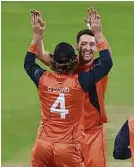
(124, 141)
(94, 114)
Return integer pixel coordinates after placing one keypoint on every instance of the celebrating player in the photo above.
(95, 114)
(88, 41)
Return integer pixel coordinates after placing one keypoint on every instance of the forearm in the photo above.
(100, 69)
(42, 54)
(33, 70)
(36, 39)
(40, 49)
(105, 56)
(109, 48)
(100, 38)
(31, 53)
(30, 57)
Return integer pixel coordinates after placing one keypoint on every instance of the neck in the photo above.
(82, 63)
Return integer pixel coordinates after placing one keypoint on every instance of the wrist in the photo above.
(38, 36)
(33, 48)
(36, 39)
(100, 41)
(99, 37)
(102, 46)
(98, 34)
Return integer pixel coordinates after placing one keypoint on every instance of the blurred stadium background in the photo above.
(20, 103)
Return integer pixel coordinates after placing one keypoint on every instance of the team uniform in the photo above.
(124, 140)
(60, 135)
(94, 117)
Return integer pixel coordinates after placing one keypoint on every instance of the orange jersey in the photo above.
(94, 108)
(131, 137)
(62, 107)
(63, 96)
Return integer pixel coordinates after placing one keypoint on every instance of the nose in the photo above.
(88, 47)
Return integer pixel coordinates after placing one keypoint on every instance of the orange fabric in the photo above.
(49, 154)
(33, 48)
(55, 126)
(42, 155)
(94, 147)
(101, 88)
(104, 82)
(131, 137)
(92, 117)
(101, 46)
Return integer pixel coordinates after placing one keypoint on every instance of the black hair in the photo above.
(83, 32)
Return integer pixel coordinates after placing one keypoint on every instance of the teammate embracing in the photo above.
(88, 42)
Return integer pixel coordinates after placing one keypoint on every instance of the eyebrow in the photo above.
(87, 42)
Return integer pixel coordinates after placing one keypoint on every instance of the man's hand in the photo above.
(38, 14)
(37, 23)
(37, 29)
(93, 21)
(94, 24)
(42, 55)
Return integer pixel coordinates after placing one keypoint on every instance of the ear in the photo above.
(76, 47)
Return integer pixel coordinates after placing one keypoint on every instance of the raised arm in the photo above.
(105, 63)
(121, 143)
(88, 79)
(92, 13)
(34, 70)
(43, 55)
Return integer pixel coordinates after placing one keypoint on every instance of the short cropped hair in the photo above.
(83, 32)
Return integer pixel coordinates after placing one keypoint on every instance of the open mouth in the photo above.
(87, 54)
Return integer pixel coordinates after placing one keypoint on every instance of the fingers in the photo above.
(32, 19)
(36, 12)
(91, 10)
(93, 13)
(41, 23)
(35, 20)
(92, 20)
(92, 16)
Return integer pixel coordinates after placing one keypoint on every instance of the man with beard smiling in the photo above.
(88, 42)
(94, 115)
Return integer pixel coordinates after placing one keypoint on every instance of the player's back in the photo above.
(62, 105)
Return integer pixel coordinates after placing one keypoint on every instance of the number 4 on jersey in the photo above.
(61, 101)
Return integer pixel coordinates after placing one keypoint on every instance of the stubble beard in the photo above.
(84, 61)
